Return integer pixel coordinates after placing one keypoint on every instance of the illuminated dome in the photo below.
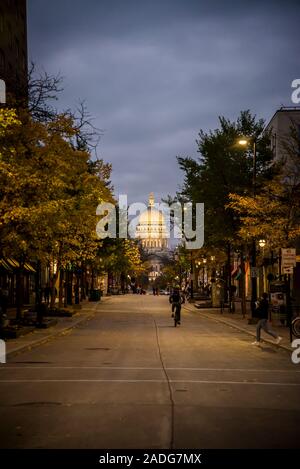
(151, 228)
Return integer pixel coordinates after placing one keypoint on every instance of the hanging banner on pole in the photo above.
(288, 258)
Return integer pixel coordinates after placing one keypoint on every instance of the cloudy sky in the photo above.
(153, 72)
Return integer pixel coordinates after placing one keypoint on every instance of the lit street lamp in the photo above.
(245, 142)
(262, 243)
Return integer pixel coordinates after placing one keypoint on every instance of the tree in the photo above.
(49, 192)
(221, 169)
(274, 214)
(122, 256)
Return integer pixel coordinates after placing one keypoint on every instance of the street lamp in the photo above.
(262, 243)
(192, 277)
(245, 142)
(177, 259)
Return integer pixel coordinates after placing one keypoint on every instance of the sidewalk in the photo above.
(237, 321)
(63, 326)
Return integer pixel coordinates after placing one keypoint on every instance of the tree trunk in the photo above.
(243, 284)
(229, 277)
(38, 287)
(69, 287)
(83, 282)
(19, 291)
(61, 288)
(53, 283)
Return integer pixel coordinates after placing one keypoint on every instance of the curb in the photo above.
(223, 321)
(54, 335)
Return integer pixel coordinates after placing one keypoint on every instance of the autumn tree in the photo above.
(223, 168)
(274, 213)
(49, 192)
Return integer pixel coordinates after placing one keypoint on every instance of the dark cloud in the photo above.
(154, 72)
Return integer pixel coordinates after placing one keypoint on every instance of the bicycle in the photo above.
(177, 307)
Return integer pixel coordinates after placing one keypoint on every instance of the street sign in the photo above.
(288, 257)
(254, 272)
(288, 270)
(277, 287)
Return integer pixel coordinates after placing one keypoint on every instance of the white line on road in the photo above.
(145, 381)
(8, 367)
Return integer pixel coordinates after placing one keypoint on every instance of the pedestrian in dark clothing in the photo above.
(263, 313)
(47, 292)
(176, 299)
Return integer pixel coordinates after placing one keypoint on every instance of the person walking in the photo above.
(47, 291)
(263, 313)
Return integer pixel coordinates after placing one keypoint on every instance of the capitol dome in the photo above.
(151, 228)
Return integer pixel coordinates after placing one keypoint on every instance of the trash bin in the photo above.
(95, 295)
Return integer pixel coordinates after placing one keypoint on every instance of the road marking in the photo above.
(8, 366)
(253, 383)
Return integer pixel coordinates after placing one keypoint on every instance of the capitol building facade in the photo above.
(153, 234)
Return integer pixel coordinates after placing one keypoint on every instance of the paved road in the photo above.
(128, 379)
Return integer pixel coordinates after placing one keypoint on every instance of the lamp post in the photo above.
(246, 142)
(204, 269)
(177, 259)
(192, 277)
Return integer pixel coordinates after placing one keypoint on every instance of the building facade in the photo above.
(153, 235)
(13, 49)
(284, 122)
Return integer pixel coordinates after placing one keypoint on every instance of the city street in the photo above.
(127, 378)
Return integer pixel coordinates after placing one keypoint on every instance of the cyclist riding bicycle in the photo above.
(176, 299)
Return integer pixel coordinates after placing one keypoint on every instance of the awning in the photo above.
(4, 265)
(10, 264)
(29, 268)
